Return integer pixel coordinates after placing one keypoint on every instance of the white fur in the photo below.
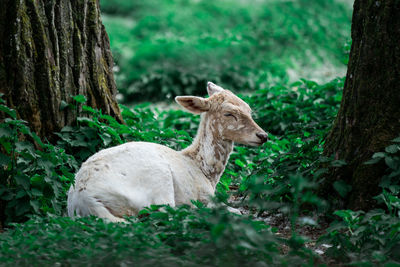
(124, 179)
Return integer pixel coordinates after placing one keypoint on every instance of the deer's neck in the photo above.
(209, 151)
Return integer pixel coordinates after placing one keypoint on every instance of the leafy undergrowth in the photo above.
(373, 237)
(168, 48)
(173, 237)
(277, 178)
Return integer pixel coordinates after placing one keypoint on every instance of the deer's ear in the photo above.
(213, 88)
(193, 104)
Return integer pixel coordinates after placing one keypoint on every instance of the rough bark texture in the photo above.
(369, 116)
(51, 50)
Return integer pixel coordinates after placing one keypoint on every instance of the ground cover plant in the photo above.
(168, 48)
(215, 227)
(276, 178)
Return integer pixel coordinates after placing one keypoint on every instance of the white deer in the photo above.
(124, 179)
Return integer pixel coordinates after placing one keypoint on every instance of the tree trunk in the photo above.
(50, 51)
(369, 115)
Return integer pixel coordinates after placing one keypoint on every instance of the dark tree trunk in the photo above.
(51, 50)
(369, 115)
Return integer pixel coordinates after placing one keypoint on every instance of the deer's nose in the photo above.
(263, 137)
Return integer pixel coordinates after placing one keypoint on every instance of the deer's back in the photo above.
(131, 176)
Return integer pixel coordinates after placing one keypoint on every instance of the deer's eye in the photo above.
(230, 115)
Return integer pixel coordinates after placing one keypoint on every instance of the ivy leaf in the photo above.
(36, 192)
(89, 109)
(392, 149)
(161, 216)
(4, 160)
(391, 163)
(46, 165)
(22, 180)
(80, 99)
(342, 188)
(6, 132)
(35, 205)
(24, 146)
(372, 161)
(240, 163)
(345, 214)
(338, 163)
(379, 155)
(396, 140)
(20, 194)
(319, 172)
(87, 120)
(9, 111)
(63, 105)
(106, 139)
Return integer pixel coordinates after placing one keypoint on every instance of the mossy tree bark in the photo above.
(51, 50)
(369, 115)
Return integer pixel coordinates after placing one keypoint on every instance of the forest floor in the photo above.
(281, 222)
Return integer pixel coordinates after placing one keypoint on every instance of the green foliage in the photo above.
(165, 237)
(167, 48)
(279, 177)
(34, 175)
(366, 238)
(373, 237)
(232, 236)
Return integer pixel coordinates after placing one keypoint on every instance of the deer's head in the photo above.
(228, 116)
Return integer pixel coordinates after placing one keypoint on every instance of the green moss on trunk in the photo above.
(51, 50)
